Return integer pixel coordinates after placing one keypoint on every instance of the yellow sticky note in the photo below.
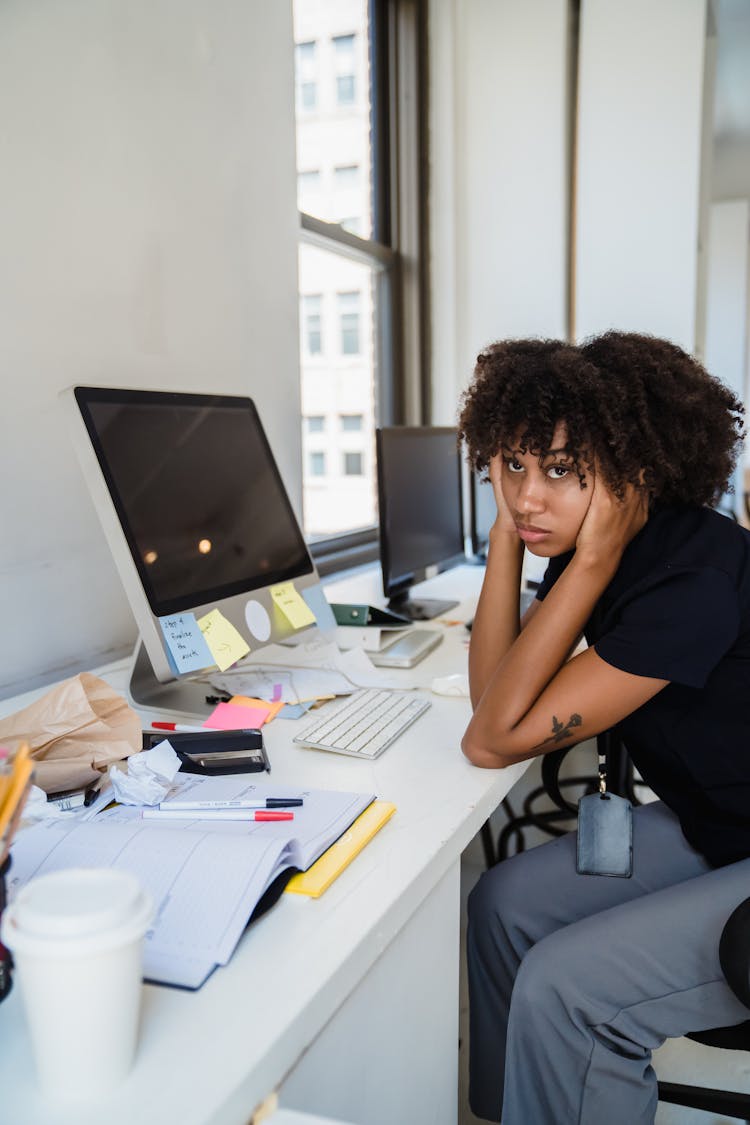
(225, 643)
(292, 605)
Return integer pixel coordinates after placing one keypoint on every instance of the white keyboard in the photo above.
(366, 724)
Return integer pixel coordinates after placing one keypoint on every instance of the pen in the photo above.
(91, 793)
(179, 727)
(262, 815)
(175, 803)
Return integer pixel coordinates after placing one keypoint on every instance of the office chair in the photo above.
(734, 956)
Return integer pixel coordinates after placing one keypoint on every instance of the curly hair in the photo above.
(639, 407)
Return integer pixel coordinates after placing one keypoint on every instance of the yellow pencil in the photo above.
(7, 838)
(19, 780)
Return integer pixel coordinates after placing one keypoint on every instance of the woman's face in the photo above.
(544, 495)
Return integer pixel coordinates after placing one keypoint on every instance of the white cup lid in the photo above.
(79, 904)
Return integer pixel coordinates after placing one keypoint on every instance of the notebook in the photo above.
(319, 877)
(206, 877)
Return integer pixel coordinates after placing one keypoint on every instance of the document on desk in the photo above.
(311, 668)
(205, 877)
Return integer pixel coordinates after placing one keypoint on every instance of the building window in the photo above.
(343, 46)
(312, 325)
(317, 463)
(353, 465)
(306, 73)
(348, 304)
(346, 177)
(351, 422)
(360, 250)
(308, 181)
(316, 423)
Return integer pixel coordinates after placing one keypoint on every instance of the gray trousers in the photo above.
(575, 979)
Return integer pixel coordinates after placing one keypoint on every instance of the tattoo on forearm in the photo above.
(560, 730)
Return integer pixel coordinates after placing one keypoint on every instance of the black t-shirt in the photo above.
(678, 609)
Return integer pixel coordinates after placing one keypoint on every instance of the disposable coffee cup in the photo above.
(77, 942)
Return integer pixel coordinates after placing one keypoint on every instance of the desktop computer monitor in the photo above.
(201, 530)
(421, 518)
(483, 513)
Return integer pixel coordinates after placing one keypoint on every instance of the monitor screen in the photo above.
(421, 521)
(202, 531)
(483, 514)
(197, 492)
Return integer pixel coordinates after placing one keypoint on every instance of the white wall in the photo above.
(728, 306)
(639, 166)
(499, 174)
(147, 238)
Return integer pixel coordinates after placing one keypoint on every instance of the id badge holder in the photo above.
(605, 833)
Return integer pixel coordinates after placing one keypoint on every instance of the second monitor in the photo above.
(421, 516)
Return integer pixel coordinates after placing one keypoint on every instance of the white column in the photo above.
(499, 173)
(638, 167)
(727, 307)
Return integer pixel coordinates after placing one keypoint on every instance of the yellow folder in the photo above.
(319, 877)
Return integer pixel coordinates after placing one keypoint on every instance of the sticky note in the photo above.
(232, 716)
(225, 643)
(292, 605)
(272, 709)
(295, 710)
(185, 642)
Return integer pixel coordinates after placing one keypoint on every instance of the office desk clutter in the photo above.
(207, 876)
(74, 732)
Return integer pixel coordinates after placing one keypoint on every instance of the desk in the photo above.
(348, 1005)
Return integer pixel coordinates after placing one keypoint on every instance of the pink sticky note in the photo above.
(233, 716)
(277, 689)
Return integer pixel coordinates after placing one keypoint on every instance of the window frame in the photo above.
(398, 249)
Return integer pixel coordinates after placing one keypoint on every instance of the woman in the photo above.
(605, 458)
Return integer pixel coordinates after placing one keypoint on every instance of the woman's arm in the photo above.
(496, 620)
(534, 701)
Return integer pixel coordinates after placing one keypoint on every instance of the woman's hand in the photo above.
(504, 521)
(610, 524)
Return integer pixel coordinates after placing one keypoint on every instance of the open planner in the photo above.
(206, 876)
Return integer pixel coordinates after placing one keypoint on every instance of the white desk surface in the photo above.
(211, 1056)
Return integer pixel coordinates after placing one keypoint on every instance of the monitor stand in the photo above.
(419, 609)
(175, 701)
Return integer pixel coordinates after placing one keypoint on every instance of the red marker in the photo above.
(179, 727)
(262, 815)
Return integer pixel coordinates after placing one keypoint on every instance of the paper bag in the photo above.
(74, 732)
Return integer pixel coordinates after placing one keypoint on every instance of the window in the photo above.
(306, 70)
(353, 465)
(362, 127)
(348, 304)
(308, 181)
(346, 177)
(316, 423)
(311, 318)
(317, 463)
(343, 46)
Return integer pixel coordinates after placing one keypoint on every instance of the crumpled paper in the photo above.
(149, 777)
(37, 807)
(74, 732)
